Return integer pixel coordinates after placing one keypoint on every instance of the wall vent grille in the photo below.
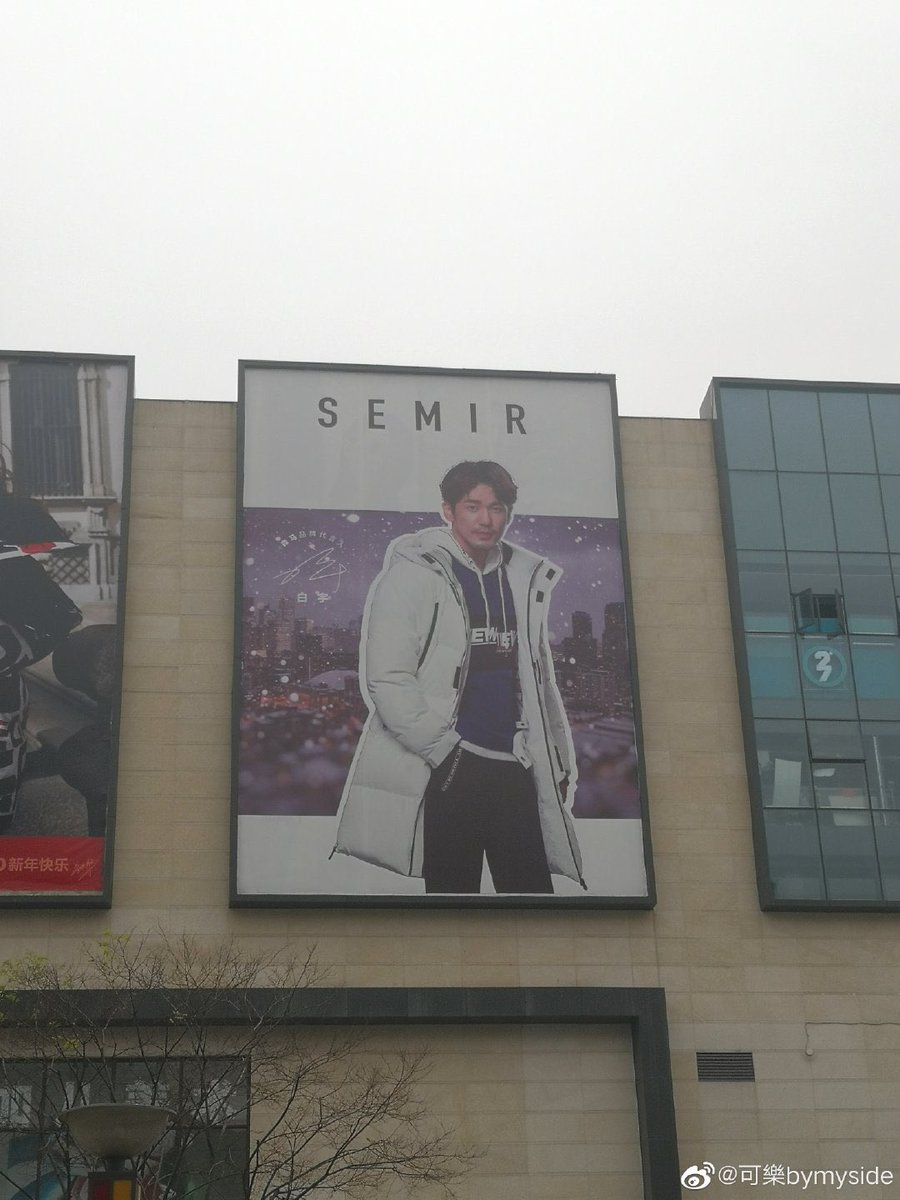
(725, 1066)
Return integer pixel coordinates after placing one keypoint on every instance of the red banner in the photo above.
(51, 864)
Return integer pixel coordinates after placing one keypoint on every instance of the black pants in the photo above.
(477, 808)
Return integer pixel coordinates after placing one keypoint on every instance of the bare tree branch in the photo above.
(265, 1109)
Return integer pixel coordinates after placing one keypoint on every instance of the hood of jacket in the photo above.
(435, 548)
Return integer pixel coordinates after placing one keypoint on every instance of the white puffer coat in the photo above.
(413, 664)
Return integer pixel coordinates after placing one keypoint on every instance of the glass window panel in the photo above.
(834, 739)
(826, 679)
(807, 511)
(76, 1082)
(84, 1081)
(19, 1105)
(885, 411)
(848, 431)
(890, 490)
(151, 1081)
(756, 510)
(29, 1168)
(887, 842)
(858, 515)
(848, 854)
(204, 1160)
(870, 603)
(210, 1166)
(218, 1089)
(774, 683)
(748, 431)
(817, 572)
(876, 668)
(783, 762)
(765, 595)
(840, 785)
(882, 748)
(794, 854)
(798, 431)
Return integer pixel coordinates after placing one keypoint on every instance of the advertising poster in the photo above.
(434, 698)
(64, 427)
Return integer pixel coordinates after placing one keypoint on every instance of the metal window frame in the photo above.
(768, 902)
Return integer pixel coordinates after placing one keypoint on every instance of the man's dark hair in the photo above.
(460, 480)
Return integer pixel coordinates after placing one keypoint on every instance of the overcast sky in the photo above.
(660, 189)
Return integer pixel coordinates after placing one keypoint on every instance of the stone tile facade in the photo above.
(813, 996)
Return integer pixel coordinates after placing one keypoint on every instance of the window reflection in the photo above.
(882, 752)
(765, 595)
(848, 855)
(868, 590)
(840, 785)
(783, 764)
(807, 511)
(890, 490)
(885, 410)
(798, 431)
(748, 433)
(774, 682)
(858, 517)
(756, 509)
(876, 666)
(848, 433)
(794, 855)
(818, 559)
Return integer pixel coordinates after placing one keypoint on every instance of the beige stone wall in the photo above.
(551, 1111)
(814, 996)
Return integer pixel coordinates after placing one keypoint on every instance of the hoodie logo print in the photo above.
(503, 639)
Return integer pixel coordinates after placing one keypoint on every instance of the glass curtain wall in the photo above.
(811, 478)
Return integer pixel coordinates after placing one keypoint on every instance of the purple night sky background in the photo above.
(586, 548)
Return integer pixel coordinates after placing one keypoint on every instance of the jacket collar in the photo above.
(436, 548)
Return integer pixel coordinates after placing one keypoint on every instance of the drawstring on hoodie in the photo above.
(487, 611)
(487, 607)
(479, 573)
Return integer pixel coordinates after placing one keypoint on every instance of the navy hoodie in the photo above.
(489, 708)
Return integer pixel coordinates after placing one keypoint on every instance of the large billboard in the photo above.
(64, 448)
(434, 684)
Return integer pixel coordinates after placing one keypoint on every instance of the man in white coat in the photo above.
(467, 754)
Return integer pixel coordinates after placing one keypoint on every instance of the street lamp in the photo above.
(114, 1133)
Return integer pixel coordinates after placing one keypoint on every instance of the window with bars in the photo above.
(46, 430)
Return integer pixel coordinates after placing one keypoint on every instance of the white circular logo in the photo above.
(824, 666)
(697, 1178)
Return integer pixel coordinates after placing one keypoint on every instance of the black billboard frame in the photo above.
(104, 898)
(241, 900)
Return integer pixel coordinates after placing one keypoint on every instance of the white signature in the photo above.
(325, 566)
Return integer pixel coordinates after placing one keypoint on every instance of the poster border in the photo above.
(238, 899)
(102, 899)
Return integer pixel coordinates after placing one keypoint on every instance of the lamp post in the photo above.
(114, 1133)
